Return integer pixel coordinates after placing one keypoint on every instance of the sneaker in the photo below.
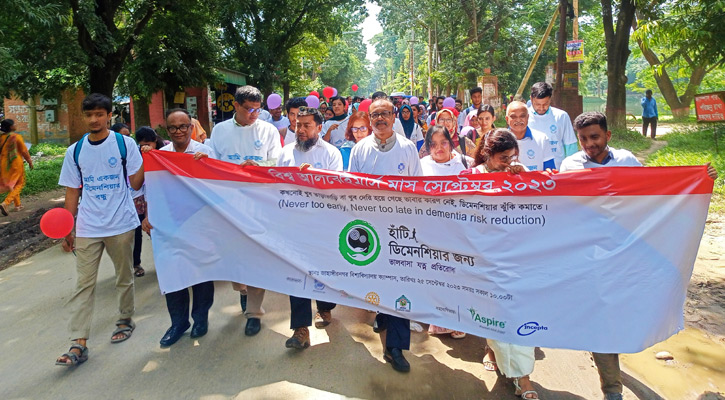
(322, 319)
(299, 340)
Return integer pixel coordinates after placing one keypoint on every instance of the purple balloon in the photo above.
(414, 100)
(274, 100)
(334, 92)
(449, 102)
(312, 101)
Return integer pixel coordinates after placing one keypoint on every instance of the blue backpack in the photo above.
(121, 148)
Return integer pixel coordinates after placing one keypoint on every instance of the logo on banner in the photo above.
(489, 322)
(359, 243)
(402, 304)
(530, 328)
(372, 298)
(319, 286)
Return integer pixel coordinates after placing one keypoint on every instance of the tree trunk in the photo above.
(560, 56)
(285, 91)
(141, 114)
(617, 44)
(103, 78)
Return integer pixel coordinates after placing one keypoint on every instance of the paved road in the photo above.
(344, 361)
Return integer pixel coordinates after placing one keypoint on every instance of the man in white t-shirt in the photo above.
(179, 126)
(594, 138)
(476, 94)
(309, 150)
(387, 153)
(246, 140)
(106, 218)
(278, 120)
(553, 122)
(534, 147)
(292, 107)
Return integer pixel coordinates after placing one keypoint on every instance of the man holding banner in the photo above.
(387, 153)
(594, 138)
(308, 151)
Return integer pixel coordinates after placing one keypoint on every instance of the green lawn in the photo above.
(630, 140)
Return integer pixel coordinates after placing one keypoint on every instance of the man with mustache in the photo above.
(534, 147)
(387, 153)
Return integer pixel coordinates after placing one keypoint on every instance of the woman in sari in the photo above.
(12, 169)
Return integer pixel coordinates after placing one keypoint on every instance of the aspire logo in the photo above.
(492, 322)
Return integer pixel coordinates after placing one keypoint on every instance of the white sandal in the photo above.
(523, 395)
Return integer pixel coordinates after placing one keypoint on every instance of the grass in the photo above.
(629, 140)
(696, 147)
(48, 149)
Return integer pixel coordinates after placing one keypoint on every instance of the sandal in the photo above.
(523, 394)
(74, 357)
(458, 334)
(3, 211)
(138, 271)
(126, 330)
(488, 364)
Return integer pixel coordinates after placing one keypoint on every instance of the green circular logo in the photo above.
(359, 243)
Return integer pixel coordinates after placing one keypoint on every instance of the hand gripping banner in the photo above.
(592, 260)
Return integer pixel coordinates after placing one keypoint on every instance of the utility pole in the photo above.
(527, 75)
(430, 64)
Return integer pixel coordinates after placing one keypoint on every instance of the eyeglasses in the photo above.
(445, 120)
(183, 128)
(251, 110)
(507, 159)
(360, 129)
(384, 114)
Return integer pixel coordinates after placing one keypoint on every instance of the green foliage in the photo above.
(345, 63)
(48, 149)
(630, 140)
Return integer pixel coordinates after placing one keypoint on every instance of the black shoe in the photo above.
(253, 326)
(395, 357)
(173, 334)
(243, 301)
(199, 329)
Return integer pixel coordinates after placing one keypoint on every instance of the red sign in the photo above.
(710, 107)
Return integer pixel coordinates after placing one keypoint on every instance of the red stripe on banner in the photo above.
(611, 181)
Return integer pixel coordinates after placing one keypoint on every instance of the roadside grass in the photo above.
(48, 149)
(629, 140)
(696, 146)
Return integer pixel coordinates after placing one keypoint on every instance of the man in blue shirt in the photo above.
(649, 113)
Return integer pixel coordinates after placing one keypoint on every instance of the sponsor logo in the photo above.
(531, 153)
(372, 298)
(530, 328)
(483, 320)
(401, 168)
(402, 304)
(257, 144)
(319, 286)
(359, 243)
(112, 162)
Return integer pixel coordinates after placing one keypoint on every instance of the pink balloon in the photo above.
(334, 92)
(312, 101)
(365, 105)
(57, 223)
(414, 100)
(274, 100)
(449, 102)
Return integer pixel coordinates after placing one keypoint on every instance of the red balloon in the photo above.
(314, 93)
(354, 87)
(328, 92)
(57, 223)
(365, 105)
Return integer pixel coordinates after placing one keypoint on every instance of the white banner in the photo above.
(594, 260)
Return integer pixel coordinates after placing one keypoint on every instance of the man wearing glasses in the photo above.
(246, 140)
(534, 146)
(387, 153)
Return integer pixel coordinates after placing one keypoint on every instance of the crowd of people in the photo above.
(382, 137)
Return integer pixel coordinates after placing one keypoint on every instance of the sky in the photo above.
(370, 28)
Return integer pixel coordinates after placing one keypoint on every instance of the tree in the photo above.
(681, 32)
(617, 45)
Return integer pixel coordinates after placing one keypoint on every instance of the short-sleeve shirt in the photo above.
(235, 143)
(106, 208)
(337, 135)
(193, 148)
(402, 159)
(556, 124)
(615, 158)
(534, 150)
(453, 167)
(321, 156)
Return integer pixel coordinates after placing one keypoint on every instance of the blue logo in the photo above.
(531, 153)
(318, 165)
(319, 286)
(402, 304)
(552, 128)
(112, 162)
(401, 168)
(530, 328)
(257, 144)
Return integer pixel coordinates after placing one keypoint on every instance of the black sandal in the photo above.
(138, 271)
(74, 358)
(126, 331)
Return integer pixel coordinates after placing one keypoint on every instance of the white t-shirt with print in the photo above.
(321, 156)
(402, 159)
(337, 135)
(282, 123)
(106, 208)
(258, 142)
(534, 150)
(453, 167)
(556, 124)
(193, 148)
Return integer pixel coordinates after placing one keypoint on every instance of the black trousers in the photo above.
(137, 242)
(648, 121)
(398, 330)
(178, 304)
(301, 311)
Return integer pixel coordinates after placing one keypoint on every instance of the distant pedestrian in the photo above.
(12, 170)
(649, 113)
